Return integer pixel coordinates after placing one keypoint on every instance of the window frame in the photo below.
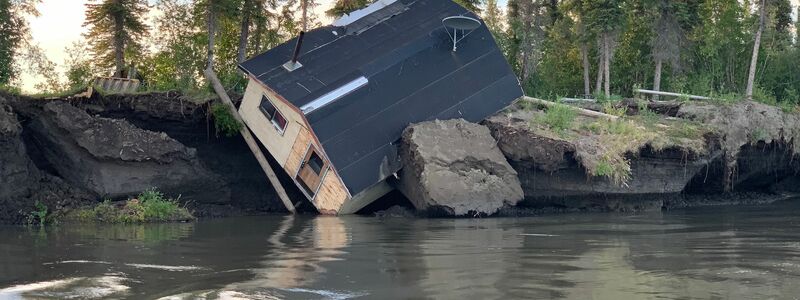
(322, 175)
(271, 118)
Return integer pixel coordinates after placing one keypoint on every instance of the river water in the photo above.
(706, 253)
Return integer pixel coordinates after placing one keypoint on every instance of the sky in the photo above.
(61, 24)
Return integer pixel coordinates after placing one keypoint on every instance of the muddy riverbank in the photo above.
(68, 153)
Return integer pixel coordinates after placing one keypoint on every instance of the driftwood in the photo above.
(581, 111)
(693, 97)
(251, 142)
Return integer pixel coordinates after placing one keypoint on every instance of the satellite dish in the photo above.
(459, 24)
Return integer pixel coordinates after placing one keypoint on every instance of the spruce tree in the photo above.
(115, 27)
(607, 17)
(13, 31)
(667, 39)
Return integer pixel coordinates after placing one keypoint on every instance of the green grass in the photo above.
(611, 109)
(150, 206)
(602, 99)
(606, 145)
(559, 117)
(12, 90)
(62, 94)
(224, 121)
(649, 117)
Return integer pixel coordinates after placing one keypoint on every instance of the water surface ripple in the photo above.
(708, 253)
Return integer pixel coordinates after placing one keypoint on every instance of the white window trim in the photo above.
(280, 130)
(276, 125)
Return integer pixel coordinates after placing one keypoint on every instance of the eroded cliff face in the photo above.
(114, 159)
(760, 143)
(748, 147)
(22, 184)
(81, 151)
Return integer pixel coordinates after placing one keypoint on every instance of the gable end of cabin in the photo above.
(284, 131)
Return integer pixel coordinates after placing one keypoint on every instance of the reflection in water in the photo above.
(147, 233)
(719, 253)
(295, 258)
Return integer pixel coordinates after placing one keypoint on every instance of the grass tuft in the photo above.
(559, 117)
(150, 206)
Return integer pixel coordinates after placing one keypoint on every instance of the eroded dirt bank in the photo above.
(72, 152)
(67, 153)
(740, 153)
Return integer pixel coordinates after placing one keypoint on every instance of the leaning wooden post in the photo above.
(251, 142)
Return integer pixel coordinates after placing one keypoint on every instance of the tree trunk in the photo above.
(259, 34)
(524, 69)
(119, 44)
(751, 77)
(587, 89)
(244, 33)
(606, 64)
(304, 8)
(250, 140)
(212, 32)
(657, 77)
(598, 86)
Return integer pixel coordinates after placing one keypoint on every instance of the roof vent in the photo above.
(459, 24)
(294, 64)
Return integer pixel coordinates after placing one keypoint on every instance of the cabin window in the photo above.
(273, 114)
(315, 163)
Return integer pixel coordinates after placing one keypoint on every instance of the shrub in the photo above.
(39, 214)
(224, 121)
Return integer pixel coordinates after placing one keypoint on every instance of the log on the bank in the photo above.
(667, 108)
(581, 111)
(651, 92)
(251, 142)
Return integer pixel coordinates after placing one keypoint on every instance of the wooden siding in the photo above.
(290, 148)
(279, 145)
(331, 195)
(298, 152)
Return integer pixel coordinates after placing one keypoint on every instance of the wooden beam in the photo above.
(577, 100)
(251, 142)
(581, 111)
(672, 94)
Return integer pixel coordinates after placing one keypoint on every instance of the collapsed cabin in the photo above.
(330, 106)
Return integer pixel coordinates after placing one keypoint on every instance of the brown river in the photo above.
(745, 252)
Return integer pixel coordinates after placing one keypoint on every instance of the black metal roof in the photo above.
(406, 55)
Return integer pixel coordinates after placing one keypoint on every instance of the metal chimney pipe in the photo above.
(296, 54)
